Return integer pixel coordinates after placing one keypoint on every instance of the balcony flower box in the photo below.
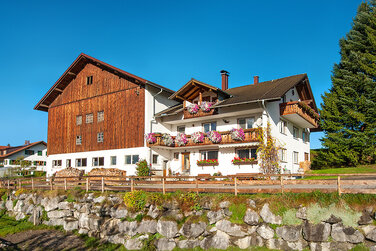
(244, 161)
(168, 140)
(237, 134)
(206, 106)
(208, 162)
(181, 139)
(215, 137)
(193, 108)
(150, 138)
(198, 137)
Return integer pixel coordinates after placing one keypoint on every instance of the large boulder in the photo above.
(133, 244)
(249, 241)
(147, 226)
(167, 228)
(9, 205)
(65, 205)
(301, 213)
(371, 234)
(59, 213)
(220, 240)
(265, 231)
(346, 234)
(52, 204)
(110, 227)
(224, 204)
(337, 246)
(366, 218)
(154, 212)
(165, 244)
(251, 217)
(188, 244)
(289, 233)
(268, 216)
(118, 213)
(70, 224)
(316, 232)
(230, 228)
(193, 230)
(281, 244)
(215, 216)
(128, 227)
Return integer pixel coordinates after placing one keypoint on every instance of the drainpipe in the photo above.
(153, 121)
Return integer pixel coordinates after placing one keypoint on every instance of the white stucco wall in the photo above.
(33, 157)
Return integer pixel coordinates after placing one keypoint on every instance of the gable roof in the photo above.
(268, 90)
(20, 148)
(192, 87)
(75, 68)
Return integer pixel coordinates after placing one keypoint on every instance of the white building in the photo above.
(99, 115)
(35, 154)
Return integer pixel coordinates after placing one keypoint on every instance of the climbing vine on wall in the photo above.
(268, 152)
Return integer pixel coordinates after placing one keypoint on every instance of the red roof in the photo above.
(20, 148)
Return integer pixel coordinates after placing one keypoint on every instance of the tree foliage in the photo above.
(268, 152)
(348, 114)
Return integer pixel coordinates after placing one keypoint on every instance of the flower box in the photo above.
(209, 162)
(244, 161)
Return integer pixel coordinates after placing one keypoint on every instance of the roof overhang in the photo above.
(74, 69)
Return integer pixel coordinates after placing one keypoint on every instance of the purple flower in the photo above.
(215, 137)
(181, 139)
(237, 134)
(193, 108)
(198, 137)
(206, 106)
(150, 138)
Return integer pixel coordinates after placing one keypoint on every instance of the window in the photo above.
(306, 156)
(98, 161)
(56, 163)
(155, 158)
(246, 123)
(205, 155)
(89, 80)
(181, 129)
(39, 153)
(113, 160)
(81, 162)
(100, 116)
(78, 140)
(295, 132)
(305, 136)
(247, 153)
(176, 156)
(282, 155)
(29, 152)
(284, 98)
(79, 120)
(296, 157)
(212, 126)
(100, 137)
(131, 159)
(282, 126)
(89, 118)
(68, 163)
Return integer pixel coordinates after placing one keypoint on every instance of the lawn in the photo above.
(344, 170)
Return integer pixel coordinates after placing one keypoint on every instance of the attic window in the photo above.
(89, 80)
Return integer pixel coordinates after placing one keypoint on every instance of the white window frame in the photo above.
(100, 137)
(56, 163)
(100, 116)
(89, 118)
(283, 126)
(78, 140)
(112, 162)
(283, 155)
(68, 163)
(80, 160)
(295, 132)
(245, 122)
(132, 159)
(204, 155)
(210, 126)
(96, 161)
(295, 157)
(79, 120)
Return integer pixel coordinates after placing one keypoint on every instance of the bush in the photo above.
(135, 200)
(143, 169)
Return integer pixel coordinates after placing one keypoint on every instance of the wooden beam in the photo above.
(59, 90)
(43, 105)
(72, 73)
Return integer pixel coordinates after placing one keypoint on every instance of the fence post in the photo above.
(19, 184)
(339, 185)
(32, 184)
(197, 185)
(282, 184)
(163, 186)
(8, 185)
(236, 186)
(132, 185)
(102, 184)
(51, 186)
(65, 184)
(87, 184)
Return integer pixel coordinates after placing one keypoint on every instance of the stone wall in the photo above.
(107, 218)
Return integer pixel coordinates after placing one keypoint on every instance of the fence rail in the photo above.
(250, 183)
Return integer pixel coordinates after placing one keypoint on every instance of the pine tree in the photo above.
(348, 115)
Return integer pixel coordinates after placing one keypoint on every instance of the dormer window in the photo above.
(89, 80)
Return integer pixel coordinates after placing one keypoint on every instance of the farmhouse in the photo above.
(102, 116)
(35, 154)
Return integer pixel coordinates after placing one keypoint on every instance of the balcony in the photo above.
(251, 135)
(200, 113)
(300, 114)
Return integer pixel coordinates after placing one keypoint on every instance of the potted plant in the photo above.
(150, 138)
(215, 137)
(181, 139)
(207, 162)
(237, 134)
(193, 108)
(244, 161)
(167, 139)
(198, 137)
(206, 106)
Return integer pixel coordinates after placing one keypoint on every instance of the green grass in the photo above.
(92, 243)
(229, 249)
(343, 170)
(238, 213)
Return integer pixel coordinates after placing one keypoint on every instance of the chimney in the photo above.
(255, 79)
(224, 79)
(27, 142)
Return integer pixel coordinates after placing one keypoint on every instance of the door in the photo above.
(185, 163)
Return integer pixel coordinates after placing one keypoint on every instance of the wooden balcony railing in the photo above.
(302, 109)
(251, 135)
(200, 113)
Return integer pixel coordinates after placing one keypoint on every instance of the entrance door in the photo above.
(185, 163)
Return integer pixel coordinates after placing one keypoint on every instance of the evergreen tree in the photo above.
(348, 115)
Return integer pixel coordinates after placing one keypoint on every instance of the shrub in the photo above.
(135, 200)
(189, 201)
(143, 169)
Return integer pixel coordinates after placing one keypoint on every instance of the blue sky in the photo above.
(167, 42)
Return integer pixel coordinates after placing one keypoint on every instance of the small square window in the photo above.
(155, 158)
(296, 157)
(176, 156)
(246, 123)
(295, 132)
(40, 153)
(135, 159)
(282, 126)
(128, 159)
(89, 80)
(78, 140)
(100, 116)
(282, 155)
(113, 160)
(181, 129)
(79, 120)
(100, 137)
(89, 118)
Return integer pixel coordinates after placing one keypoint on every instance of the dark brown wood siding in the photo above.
(122, 101)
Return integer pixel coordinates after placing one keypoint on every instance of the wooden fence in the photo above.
(252, 183)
